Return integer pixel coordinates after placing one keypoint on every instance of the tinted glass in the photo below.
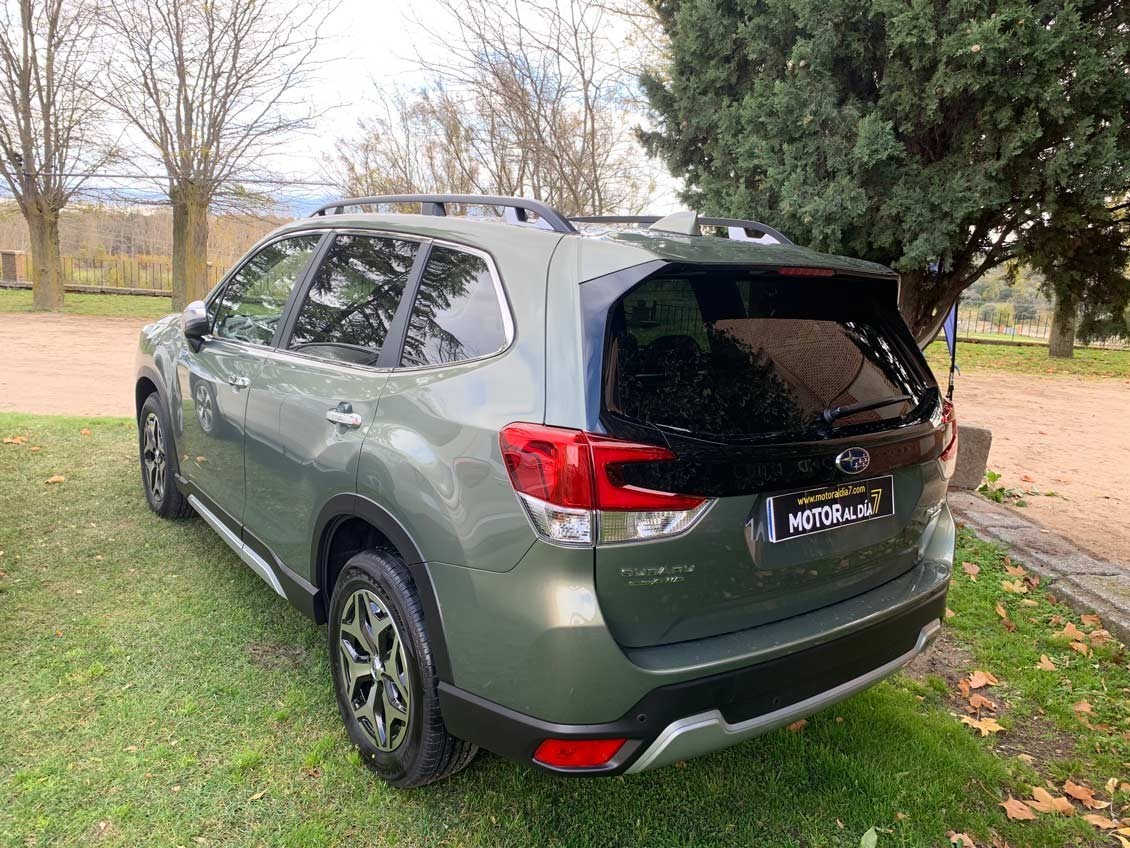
(251, 304)
(456, 314)
(744, 355)
(347, 312)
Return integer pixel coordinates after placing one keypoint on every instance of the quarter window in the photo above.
(457, 314)
(251, 304)
(354, 296)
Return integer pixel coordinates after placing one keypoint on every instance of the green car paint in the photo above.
(536, 634)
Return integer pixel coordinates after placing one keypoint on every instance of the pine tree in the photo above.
(928, 136)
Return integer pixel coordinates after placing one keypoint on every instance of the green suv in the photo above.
(595, 500)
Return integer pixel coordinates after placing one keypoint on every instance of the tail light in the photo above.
(572, 487)
(577, 753)
(949, 439)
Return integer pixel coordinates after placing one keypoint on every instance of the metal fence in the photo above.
(990, 322)
(111, 273)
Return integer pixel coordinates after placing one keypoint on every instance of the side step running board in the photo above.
(253, 561)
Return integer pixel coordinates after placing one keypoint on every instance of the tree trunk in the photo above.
(46, 261)
(190, 250)
(1061, 336)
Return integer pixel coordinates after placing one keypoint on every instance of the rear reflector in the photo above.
(571, 481)
(577, 753)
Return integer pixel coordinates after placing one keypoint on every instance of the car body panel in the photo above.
(295, 458)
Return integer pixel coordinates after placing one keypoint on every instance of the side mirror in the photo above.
(195, 323)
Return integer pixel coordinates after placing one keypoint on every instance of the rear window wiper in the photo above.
(834, 412)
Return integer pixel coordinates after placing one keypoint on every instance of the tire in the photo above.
(158, 458)
(374, 697)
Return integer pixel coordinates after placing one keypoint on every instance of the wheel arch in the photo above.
(349, 523)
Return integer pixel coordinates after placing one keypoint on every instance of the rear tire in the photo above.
(158, 456)
(384, 674)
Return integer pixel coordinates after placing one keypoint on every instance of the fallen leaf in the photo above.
(1028, 602)
(1045, 802)
(963, 687)
(797, 726)
(1017, 810)
(1083, 707)
(85, 431)
(1070, 631)
(1045, 663)
(901, 816)
(981, 678)
(1001, 611)
(1027, 758)
(1027, 479)
(55, 478)
(985, 725)
(950, 613)
(1122, 840)
(979, 701)
(1111, 785)
(1081, 648)
(972, 569)
(34, 448)
(1015, 570)
(869, 839)
(1032, 580)
(1017, 587)
(1084, 795)
(1101, 822)
(1100, 637)
(176, 788)
(961, 840)
(1091, 620)
(258, 795)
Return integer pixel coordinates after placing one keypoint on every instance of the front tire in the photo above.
(158, 458)
(384, 674)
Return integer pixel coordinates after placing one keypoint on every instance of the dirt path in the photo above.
(1068, 435)
(67, 364)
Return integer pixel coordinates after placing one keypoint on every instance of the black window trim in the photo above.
(393, 339)
(508, 325)
(398, 329)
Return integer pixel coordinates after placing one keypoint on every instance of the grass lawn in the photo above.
(154, 692)
(1029, 359)
(104, 305)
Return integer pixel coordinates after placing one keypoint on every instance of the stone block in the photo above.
(973, 444)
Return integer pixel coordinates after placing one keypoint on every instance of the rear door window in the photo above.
(458, 311)
(745, 355)
(352, 300)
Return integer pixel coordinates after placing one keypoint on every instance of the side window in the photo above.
(347, 312)
(457, 314)
(251, 304)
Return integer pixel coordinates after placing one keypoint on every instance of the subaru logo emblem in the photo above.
(853, 461)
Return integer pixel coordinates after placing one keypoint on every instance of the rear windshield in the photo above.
(745, 355)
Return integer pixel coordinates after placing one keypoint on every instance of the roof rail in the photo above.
(516, 209)
(738, 229)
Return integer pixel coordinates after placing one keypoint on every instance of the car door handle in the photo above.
(238, 383)
(344, 415)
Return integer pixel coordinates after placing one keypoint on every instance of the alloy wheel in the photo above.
(153, 456)
(374, 669)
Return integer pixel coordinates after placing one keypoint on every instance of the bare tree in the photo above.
(211, 87)
(49, 123)
(523, 98)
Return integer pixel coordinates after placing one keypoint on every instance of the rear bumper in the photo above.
(683, 720)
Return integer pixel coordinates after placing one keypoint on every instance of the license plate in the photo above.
(816, 510)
